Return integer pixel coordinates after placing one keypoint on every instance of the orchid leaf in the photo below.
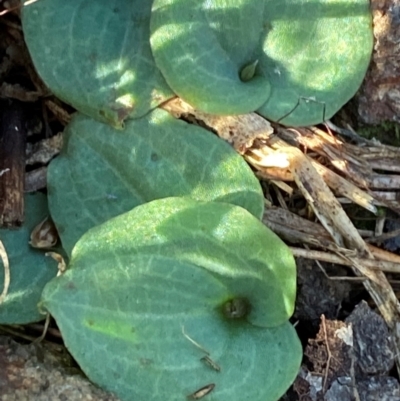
(225, 239)
(307, 57)
(151, 319)
(202, 47)
(103, 172)
(316, 54)
(96, 56)
(310, 56)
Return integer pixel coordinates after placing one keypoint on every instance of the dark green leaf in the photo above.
(30, 269)
(96, 55)
(103, 172)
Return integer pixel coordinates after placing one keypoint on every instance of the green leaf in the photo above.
(30, 269)
(201, 50)
(313, 54)
(224, 239)
(150, 318)
(103, 172)
(316, 56)
(96, 55)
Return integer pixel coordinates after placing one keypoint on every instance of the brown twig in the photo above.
(12, 158)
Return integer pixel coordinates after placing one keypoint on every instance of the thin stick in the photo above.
(7, 279)
(16, 333)
(206, 359)
(341, 260)
(338, 278)
(328, 351)
(383, 237)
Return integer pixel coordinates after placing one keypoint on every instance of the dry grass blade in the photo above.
(325, 206)
(329, 257)
(7, 276)
(345, 188)
(273, 165)
(298, 230)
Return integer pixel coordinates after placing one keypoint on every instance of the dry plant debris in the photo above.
(307, 157)
(32, 94)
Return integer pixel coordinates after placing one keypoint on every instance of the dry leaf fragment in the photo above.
(44, 235)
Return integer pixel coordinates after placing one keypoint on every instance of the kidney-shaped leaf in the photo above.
(316, 56)
(103, 172)
(30, 269)
(308, 57)
(156, 324)
(225, 239)
(202, 47)
(96, 55)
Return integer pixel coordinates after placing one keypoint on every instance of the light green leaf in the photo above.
(143, 312)
(224, 239)
(313, 54)
(201, 48)
(103, 172)
(96, 55)
(30, 269)
(316, 56)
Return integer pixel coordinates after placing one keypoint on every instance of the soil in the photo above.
(348, 354)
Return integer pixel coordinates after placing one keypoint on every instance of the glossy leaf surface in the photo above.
(201, 47)
(310, 56)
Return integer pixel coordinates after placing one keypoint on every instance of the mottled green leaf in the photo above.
(96, 55)
(144, 288)
(313, 54)
(103, 172)
(202, 46)
(225, 239)
(316, 56)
